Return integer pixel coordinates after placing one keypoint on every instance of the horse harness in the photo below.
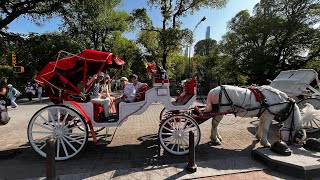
(263, 104)
(259, 97)
(263, 107)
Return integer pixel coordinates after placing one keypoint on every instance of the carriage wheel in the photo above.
(174, 134)
(312, 125)
(63, 123)
(164, 114)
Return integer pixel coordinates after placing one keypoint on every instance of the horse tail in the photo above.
(297, 117)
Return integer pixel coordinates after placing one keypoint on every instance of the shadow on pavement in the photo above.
(99, 159)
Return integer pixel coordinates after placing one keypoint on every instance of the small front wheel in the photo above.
(174, 134)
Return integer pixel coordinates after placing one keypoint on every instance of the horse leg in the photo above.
(264, 135)
(215, 137)
(259, 132)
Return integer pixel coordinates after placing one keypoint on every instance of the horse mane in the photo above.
(274, 90)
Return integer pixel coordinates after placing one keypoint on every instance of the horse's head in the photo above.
(292, 131)
(4, 117)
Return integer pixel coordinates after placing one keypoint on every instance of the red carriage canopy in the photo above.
(67, 73)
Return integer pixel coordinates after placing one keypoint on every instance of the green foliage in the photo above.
(34, 9)
(171, 36)
(92, 22)
(205, 47)
(279, 36)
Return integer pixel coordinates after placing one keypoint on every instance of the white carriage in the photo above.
(304, 86)
(74, 117)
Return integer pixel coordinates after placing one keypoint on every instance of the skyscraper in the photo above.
(208, 32)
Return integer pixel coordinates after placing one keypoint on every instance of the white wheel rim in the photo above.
(312, 125)
(63, 124)
(165, 114)
(174, 134)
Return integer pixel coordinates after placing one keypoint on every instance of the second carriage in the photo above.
(304, 86)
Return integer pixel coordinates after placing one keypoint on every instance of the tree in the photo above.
(36, 9)
(92, 22)
(171, 36)
(279, 36)
(204, 47)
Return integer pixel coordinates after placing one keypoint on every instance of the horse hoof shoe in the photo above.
(214, 143)
(312, 144)
(280, 147)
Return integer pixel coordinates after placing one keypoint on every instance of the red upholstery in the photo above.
(141, 93)
(183, 98)
(160, 81)
(191, 86)
(97, 111)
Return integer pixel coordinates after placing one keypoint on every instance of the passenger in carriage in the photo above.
(105, 88)
(136, 83)
(129, 93)
(97, 95)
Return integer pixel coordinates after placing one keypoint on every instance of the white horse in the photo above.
(242, 102)
(4, 117)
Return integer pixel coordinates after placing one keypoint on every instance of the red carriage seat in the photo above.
(97, 111)
(141, 93)
(184, 97)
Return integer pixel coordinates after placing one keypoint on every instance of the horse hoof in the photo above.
(267, 145)
(215, 143)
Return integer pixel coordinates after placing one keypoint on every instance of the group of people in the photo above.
(12, 93)
(102, 96)
(32, 90)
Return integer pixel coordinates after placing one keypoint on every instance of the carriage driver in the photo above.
(96, 97)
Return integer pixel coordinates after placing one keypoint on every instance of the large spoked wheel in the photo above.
(64, 124)
(174, 134)
(164, 114)
(311, 125)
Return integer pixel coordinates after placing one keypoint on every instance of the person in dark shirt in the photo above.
(4, 102)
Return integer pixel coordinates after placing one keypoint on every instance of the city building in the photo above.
(208, 32)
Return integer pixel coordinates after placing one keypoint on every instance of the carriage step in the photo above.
(103, 141)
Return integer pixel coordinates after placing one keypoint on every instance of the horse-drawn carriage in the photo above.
(304, 86)
(74, 116)
(68, 82)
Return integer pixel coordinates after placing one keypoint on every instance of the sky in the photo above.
(217, 19)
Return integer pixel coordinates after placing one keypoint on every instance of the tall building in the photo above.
(208, 32)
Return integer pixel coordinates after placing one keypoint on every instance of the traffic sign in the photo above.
(18, 69)
(14, 60)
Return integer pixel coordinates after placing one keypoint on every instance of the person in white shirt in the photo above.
(30, 91)
(136, 83)
(129, 93)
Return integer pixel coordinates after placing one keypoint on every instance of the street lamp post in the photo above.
(190, 68)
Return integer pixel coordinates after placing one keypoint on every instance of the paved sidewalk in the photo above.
(175, 171)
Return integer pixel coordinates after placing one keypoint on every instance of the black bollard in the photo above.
(191, 166)
(51, 166)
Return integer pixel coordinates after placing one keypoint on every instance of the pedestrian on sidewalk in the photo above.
(30, 91)
(39, 92)
(12, 95)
